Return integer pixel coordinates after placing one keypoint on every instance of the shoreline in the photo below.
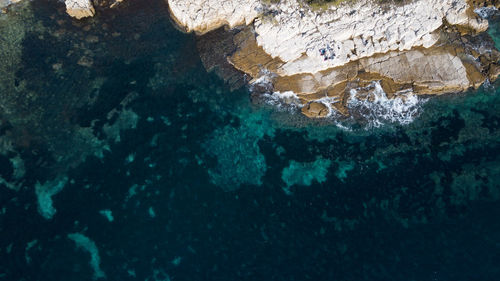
(448, 51)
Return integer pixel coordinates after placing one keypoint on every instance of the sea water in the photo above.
(123, 159)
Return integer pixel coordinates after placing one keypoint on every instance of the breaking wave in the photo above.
(283, 100)
(372, 104)
(264, 83)
(263, 88)
(368, 105)
(328, 101)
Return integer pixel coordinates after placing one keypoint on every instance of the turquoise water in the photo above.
(122, 158)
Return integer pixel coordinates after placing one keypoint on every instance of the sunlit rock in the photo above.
(80, 8)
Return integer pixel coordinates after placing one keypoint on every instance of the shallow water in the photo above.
(167, 175)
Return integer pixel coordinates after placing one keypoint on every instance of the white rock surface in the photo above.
(298, 36)
(79, 8)
(205, 15)
(311, 41)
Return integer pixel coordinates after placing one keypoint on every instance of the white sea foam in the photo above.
(370, 103)
(283, 100)
(377, 109)
(488, 87)
(486, 12)
(328, 101)
(265, 80)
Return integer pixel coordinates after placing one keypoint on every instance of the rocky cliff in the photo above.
(416, 47)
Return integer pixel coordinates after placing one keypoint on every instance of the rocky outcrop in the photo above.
(202, 16)
(310, 42)
(454, 65)
(424, 46)
(80, 8)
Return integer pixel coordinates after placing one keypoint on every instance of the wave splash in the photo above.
(283, 100)
(263, 87)
(372, 104)
(368, 105)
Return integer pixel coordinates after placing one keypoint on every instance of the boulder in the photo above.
(79, 8)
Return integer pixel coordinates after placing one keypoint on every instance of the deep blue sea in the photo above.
(122, 158)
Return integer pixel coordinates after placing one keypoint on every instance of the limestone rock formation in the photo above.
(424, 46)
(80, 8)
(202, 16)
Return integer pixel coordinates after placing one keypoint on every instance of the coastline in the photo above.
(332, 71)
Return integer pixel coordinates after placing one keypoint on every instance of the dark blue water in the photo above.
(165, 174)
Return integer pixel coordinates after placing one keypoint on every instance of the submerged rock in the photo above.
(298, 173)
(44, 193)
(88, 245)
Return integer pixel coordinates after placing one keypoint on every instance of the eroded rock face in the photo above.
(202, 16)
(424, 46)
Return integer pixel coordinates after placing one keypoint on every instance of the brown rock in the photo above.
(315, 110)
(251, 58)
